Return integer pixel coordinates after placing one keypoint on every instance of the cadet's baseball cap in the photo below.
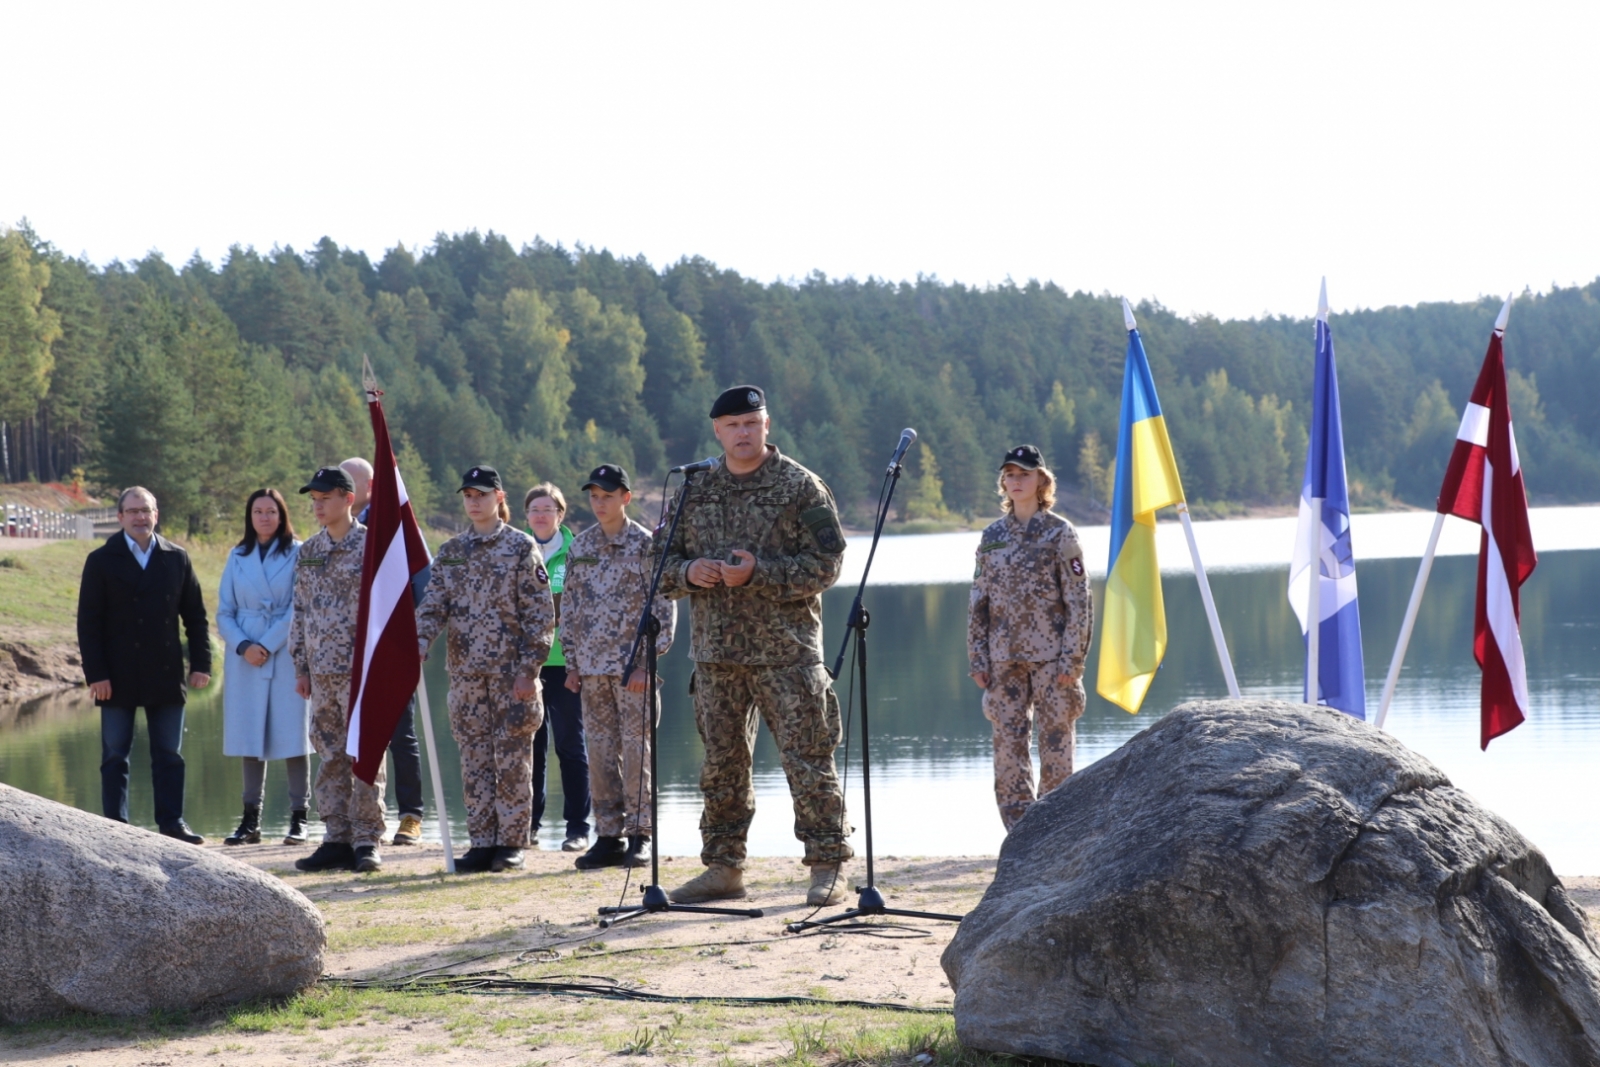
(485, 478)
(1025, 456)
(740, 400)
(328, 480)
(608, 476)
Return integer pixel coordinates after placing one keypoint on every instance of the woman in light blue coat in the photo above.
(263, 718)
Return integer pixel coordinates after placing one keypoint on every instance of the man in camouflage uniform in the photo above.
(322, 631)
(758, 543)
(608, 575)
(1028, 628)
(490, 587)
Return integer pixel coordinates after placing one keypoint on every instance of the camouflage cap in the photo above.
(480, 477)
(608, 476)
(328, 480)
(740, 400)
(1028, 457)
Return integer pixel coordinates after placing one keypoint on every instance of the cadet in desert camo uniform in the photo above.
(1028, 628)
(490, 588)
(608, 575)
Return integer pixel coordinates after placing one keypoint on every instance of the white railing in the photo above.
(17, 520)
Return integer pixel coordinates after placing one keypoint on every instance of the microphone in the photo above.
(907, 436)
(695, 468)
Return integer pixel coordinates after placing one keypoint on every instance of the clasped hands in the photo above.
(710, 573)
(982, 678)
(637, 681)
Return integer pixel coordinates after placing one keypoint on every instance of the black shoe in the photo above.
(367, 859)
(476, 860)
(605, 852)
(181, 831)
(638, 851)
(506, 858)
(329, 856)
(297, 828)
(249, 831)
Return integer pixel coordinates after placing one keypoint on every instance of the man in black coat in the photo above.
(135, 589)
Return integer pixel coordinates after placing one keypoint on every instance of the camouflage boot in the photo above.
(716, 882)
(827, 885)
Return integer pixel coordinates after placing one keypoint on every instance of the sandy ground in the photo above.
(541, 922)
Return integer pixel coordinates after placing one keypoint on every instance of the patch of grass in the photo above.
(39, 588)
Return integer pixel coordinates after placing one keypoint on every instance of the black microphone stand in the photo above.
(649, 628)
(869, 900)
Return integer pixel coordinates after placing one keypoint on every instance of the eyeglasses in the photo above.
(138, 511)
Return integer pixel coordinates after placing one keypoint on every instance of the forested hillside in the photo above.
(206, 381)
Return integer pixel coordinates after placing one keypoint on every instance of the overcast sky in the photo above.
(1217, 158)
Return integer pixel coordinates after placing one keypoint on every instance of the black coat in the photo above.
(128, 622)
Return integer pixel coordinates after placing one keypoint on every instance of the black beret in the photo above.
(480, 477)
(608, 476)
(1027, 457)
(328, 479)
(740, 400)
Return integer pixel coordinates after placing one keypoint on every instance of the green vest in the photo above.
(556, 567)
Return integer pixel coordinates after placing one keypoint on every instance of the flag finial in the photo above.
(1322, 301)
(369, 381)
(1500, 319)
(1127, 315)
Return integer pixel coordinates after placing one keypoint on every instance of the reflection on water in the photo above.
(930, 743)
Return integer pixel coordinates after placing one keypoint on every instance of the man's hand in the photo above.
(100, 690)
(706, 573)
(1064, 679)
(302, 685)
(982, 678)
(524, 688)
(199, 680)
(573, 682)
(739, 574)
(637, 681)
(256, 656)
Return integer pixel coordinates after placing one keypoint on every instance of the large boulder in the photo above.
(100, 917)
(1258, 883)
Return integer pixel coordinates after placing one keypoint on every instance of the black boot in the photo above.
(329, 856)
(297, 828)
(476, 860)
(249, 831)
(506, 858)
(605, 852)
(638, 851)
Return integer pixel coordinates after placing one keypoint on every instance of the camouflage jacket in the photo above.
(494, 593)
(1030, 596)
(327, 598)
(785, 516)
(607, 579)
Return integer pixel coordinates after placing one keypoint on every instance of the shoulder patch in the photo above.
(824, 526)
(542, 574)
(1076, 565)
(990, 546)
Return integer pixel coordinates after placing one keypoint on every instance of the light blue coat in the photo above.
(262, 715)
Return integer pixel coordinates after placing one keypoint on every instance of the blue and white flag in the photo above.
(1325, 500)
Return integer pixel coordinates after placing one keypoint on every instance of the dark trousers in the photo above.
(407, 757)
(563, 715)
(165, 726)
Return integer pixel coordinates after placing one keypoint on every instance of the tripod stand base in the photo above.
(655, 902)
(870, 902)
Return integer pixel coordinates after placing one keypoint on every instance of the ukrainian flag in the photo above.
(1133, 630)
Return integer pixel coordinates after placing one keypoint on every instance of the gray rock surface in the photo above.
(100, 917)
(1257, 883)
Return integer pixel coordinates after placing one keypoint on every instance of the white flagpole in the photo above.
(439, 809)
(1410, 620)
(1211, 606)
(1314, 604)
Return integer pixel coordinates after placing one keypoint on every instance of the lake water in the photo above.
(932, 787)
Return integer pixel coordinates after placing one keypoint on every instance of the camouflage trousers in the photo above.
(801, 711)
(494, 732)
(352, 809)
(619, 755)
(1017, 693)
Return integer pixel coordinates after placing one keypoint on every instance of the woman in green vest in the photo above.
(546, 508)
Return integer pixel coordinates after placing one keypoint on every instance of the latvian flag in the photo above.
(386, 668)
(1484, 485)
